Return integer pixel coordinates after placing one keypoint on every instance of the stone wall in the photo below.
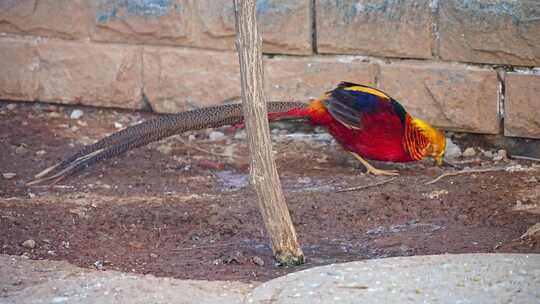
(465, 65)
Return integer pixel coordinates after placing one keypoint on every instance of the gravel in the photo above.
(76, 114)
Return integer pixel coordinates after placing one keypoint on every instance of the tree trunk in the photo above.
(263, 173)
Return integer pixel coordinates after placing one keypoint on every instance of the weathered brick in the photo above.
(177, 79)
(153, 22)
(19, 62)
(522, 105)
(66, 19)
(490, 31)
(90, 74)
(286, 25)
(448, 96)
(302, 79)
(375, 27)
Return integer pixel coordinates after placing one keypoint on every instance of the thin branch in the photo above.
(525, 158)
(467, 171)
(207, 246)
(194, 147)
(367, 186)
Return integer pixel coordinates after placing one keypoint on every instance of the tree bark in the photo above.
(263, 172)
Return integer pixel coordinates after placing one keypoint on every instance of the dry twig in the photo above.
(207, 246)
(467, 171)
(194, 147)
(525, 158)
(367, 186)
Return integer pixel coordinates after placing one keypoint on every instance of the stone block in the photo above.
(66, 19)
(449, 96)
(375, 27)
(490, 31)
(178, 79)
(90, 74)
(302, 79)
(19, 62)
(522, 105)
(285, 25)
(151, 22)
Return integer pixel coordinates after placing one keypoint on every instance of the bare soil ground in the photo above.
(182, 207)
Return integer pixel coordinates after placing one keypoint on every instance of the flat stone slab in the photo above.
(465, 278)
(27, 281)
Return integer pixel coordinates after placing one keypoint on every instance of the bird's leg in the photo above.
(373, 170)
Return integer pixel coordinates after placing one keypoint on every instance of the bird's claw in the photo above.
(376, 171)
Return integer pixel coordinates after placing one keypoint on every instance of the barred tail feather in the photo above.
(155, 130)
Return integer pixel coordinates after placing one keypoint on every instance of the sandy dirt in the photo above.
(182, 208)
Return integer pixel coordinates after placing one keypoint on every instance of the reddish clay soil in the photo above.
(178, 209)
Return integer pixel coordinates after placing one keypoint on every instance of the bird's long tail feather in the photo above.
(157, 129)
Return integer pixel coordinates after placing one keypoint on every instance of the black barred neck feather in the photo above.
(415, 140)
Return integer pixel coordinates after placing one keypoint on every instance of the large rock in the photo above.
(448, 96)
(490, 31)
(286, 25)
(90, 74)
(522, 105)
(178, 79)
(460, 278)
(301, 79)
(19, 62)
(66, 19)
(31, 282)
(375, 27)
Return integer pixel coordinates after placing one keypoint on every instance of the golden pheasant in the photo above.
(365, 121)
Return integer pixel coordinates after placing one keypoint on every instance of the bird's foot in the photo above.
(373, 170)
(376, 171)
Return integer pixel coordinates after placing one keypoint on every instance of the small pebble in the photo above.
(488, 154)
(216, 135)
(462, 217)
(21, 149)
(257, 261)
(29, 244)
(11, 106)
(41, 152)
(452, 150)
(99, 264)
(240, 135)
(469, 152)
(76, 114)
(54, 115)
(501, 155)
(9, 175)
(153, 255)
